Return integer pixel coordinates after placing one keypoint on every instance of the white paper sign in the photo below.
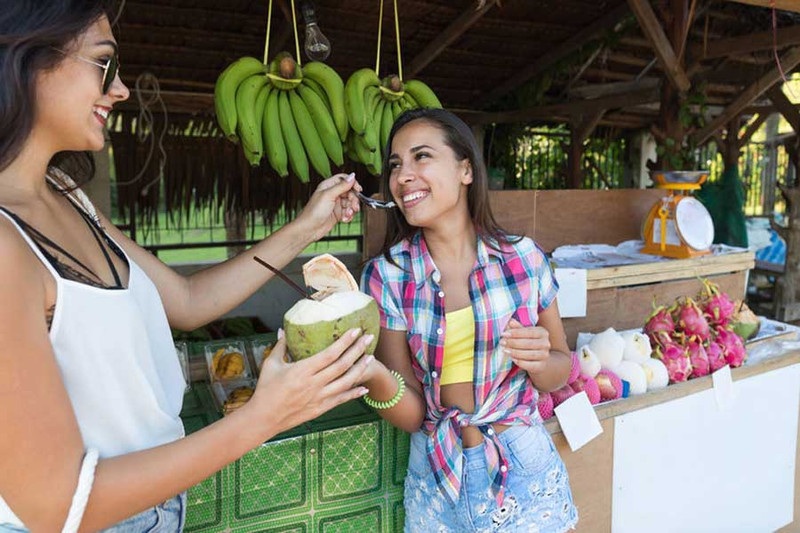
(723, 387)
(578, 421)
(571, 292)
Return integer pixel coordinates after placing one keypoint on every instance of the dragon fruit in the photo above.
(610, 385)
(689, 319)
(562, 395)
(545, 405)
(698, 358)
(716, 355)
(717, 305)
(676, 359)
(659, 325)
(732, 347)
(588, 385)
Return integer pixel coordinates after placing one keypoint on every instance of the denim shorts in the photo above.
(168, 517)
(537, 498)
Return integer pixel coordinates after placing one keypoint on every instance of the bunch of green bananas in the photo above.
(293, 116)
(372, 106)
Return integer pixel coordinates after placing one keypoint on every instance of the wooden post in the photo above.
(671, 95)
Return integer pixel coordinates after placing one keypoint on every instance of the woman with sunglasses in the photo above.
(91, 389)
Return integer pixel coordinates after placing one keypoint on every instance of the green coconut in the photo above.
(313, 324)
(745, 322)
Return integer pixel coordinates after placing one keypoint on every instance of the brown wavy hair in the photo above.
(31, 34)
(460, 139)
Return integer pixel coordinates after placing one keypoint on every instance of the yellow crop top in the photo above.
(459, 346)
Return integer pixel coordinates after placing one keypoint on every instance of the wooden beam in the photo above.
(746, 44)
(785, 106)
(567, 108)
(789, 60)
(785, 5)
(661, 44)
(752, 128)
(586, 124)
(592, 31)
(455, 30)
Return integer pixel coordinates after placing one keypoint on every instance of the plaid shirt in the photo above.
(515, 282)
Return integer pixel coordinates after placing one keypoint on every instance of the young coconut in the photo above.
(634, 374)
(656, 373)
(637, 347)
(589, 363)
(313, 324)
(609, 346)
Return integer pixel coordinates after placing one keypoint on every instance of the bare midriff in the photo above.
(462, 396)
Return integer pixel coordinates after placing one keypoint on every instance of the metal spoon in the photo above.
(373, 203)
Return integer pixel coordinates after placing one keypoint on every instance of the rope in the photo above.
(775, 47)
(378, 54)
(296, 39)
(145, 126)
(269, 25)
(397, 37)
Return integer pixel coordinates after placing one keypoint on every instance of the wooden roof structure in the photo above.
(603, 59)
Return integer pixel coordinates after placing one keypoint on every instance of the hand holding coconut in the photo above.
(289, 394)
(333, 201)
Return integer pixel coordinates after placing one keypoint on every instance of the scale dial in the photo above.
(694, 224)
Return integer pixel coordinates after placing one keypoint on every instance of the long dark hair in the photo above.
(460, 139)
(32, 33)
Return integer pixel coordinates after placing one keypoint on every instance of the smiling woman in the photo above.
(91, 381)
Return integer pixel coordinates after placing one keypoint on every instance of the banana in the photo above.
(249, 130)
(334, 88)
(274, 145)
(363, 153)
(422, 94)
(377, 119)
(374, 166)
(349, 149)
(324, 123)
(309, 135)
(354, 97)
(225, 92)
(372, 97)
(396, 110)
(407, 102)
(317, 88)
(387, 120)
(294, 146)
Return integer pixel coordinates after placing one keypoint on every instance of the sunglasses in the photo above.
(110, 69)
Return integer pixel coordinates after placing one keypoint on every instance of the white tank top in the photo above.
(118, 363)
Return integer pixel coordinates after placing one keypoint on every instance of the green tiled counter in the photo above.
(342, 472)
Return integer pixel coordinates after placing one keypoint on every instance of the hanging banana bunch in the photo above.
(293, 115)
(372, 105)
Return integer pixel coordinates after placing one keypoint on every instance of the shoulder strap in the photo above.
(44, 257)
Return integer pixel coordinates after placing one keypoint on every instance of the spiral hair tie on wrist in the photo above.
(401, 389)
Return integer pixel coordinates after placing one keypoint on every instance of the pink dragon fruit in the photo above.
(676, 359)
(716, 355)
(545, 405)
(689, 319)
(698, 358)
(590, 386)
(659, 325)
(717, 305)
(732, 346)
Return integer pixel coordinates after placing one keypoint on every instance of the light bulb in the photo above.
(317, 46)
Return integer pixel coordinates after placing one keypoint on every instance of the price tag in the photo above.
(571, 292)
(723, 387)
(578, 421)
